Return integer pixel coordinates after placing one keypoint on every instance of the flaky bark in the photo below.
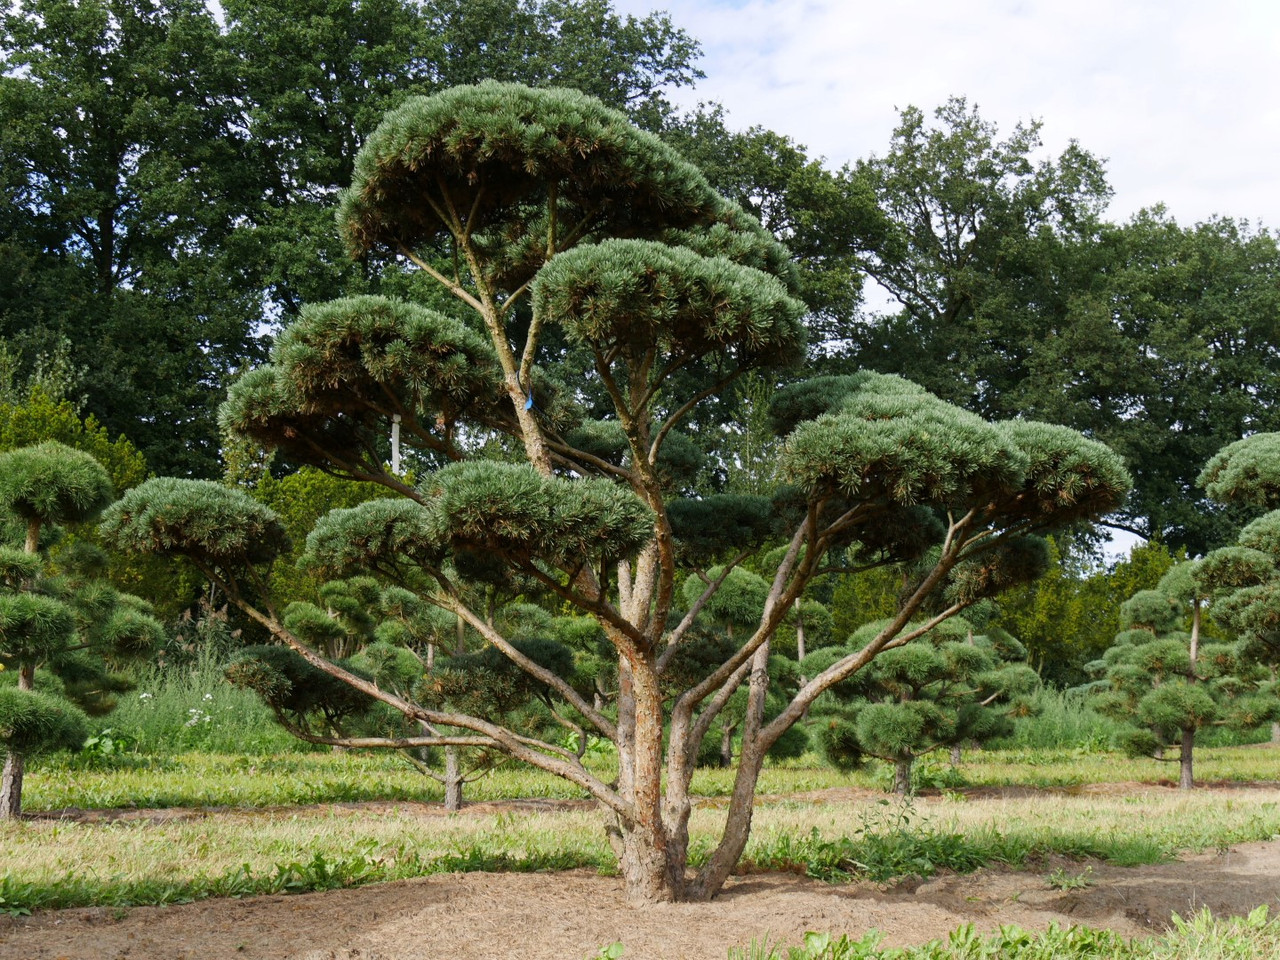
(11, 786)
(1186, 774)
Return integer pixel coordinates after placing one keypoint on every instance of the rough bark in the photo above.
(726, 746)
(1186, 778)
(652, 866)
(14, 763)
(902, 776)
(737, 826)
(11, 787)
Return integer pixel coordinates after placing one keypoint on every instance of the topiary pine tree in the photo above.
(599, 280)
(1164, 684)
(61, 634)
(1246, 575)
(389, 637)
(947, 689)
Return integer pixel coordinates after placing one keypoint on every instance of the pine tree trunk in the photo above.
(801, 653)
(742, 801)
(653, 860)
(14, 764)
(11, 787)
(1186, 779)
(726, 746)
(902, 776)
(652, 866)
(956, 753)
(452, 781)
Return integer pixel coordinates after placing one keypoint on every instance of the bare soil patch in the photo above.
(567, 916)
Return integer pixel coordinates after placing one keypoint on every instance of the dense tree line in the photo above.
(170, 174)
(168, 177)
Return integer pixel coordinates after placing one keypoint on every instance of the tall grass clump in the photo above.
(181, 708)
(1060, 719)
(184, 703)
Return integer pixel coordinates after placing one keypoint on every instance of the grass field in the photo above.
(269, 824)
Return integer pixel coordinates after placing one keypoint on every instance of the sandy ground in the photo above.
(569, 916)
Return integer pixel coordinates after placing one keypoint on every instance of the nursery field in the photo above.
(344, 855)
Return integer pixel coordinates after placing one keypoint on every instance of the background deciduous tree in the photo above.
(167, 178)
(125, 178)
(1011, 295)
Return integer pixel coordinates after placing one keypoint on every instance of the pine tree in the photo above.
(1164, 684)
(947, 689)
(606, 290)
(63, 630)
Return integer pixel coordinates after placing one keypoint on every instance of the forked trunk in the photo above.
(1186, 778)
(652, 867)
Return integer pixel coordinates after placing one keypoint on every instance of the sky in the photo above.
(1182, 99)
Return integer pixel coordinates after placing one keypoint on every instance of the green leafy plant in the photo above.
(1059, 879)
(108, 747)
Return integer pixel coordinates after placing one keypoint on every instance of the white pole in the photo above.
(395, 443)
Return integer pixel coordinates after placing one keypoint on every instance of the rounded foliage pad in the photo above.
(53, 483)
(494, 156)
(1247, 471)
(197, 518)
(340, 372)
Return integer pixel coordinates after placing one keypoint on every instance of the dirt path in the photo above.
(568, 916)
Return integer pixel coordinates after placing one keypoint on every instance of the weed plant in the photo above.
(1202, 937)
(891, 842)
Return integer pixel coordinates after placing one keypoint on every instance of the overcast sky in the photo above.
(1181, 98)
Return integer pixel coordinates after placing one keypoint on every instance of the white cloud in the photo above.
(1179, 96)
